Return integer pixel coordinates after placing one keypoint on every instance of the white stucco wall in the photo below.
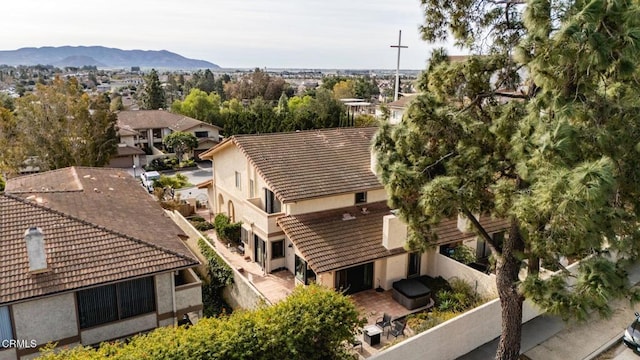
(46, 319)
(118, 329)
(396, 270)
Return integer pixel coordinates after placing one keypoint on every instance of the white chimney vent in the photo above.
(35, 250)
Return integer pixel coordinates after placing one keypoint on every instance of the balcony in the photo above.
(254, 214)
(188, 290)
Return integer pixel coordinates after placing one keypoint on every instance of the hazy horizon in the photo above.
(279, 34)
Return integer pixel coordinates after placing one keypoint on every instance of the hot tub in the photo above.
(411, 293)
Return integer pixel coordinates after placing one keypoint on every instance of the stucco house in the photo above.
(397, 108)
(145, 130)
(310, 203)
(88, 256)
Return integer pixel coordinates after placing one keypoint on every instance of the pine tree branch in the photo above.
(482, 231)
(443, 158)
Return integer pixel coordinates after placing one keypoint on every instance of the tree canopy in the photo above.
(311, 323)
(153, 97)
(57, 126)
(541, 128)
(180, 142)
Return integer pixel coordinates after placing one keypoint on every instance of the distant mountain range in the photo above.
(100, 56)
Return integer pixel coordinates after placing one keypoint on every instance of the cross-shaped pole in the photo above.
(399, 46)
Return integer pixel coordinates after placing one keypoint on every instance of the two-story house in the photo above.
(145, 129)
(88, 256)
(310, 202)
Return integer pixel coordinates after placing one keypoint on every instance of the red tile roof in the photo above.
(79, 254)
(157, 119)
(310, 164)
(327, 242)
(109, 198)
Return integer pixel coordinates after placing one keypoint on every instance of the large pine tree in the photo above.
(541, 128)
(153, 96)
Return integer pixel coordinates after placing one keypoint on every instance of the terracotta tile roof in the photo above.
(110, 198)
(329, 243)
(402, 102)
(157, 119)
(129, 150)
(310, 164)
(79, 254)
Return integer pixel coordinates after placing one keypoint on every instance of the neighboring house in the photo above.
(397, 108)
(310, 203)
(88, 256)
(145, 129)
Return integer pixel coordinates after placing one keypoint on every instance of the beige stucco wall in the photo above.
(448, 268)
(118, 329)
(46, 319)
(457, 336)
(332, 202)
(9, 354)
(326, 279)
(396, 270)
(164, 296)
(190, 294)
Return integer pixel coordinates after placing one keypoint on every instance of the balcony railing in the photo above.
(255, 215)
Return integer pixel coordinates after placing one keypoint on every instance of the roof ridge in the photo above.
(96, 226)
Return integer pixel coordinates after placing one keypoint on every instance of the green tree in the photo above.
(6, 101)
(180, 142)
(59, 125)
(344, 89)
(200, 105)
(558, 163)
(153, 97)
(311, 323)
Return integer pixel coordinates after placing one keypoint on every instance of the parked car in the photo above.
(148, 178)
(631, 336)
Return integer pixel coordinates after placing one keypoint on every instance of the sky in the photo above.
(310, 34)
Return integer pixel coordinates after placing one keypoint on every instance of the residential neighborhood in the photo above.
(294, 196)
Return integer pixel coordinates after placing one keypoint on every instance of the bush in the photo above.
(227, 231)
(202, 225)
(463, 254)
(219, 275)
(175, 182)
(312, 323)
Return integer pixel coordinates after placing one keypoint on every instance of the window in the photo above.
(303, 273)
(116, 302)
(271, 204)
(202, 134)
(238, 180)
(414, 264)
(244, 235)
(6, 333)
(277, 249)
(361, 198)
(251, 191)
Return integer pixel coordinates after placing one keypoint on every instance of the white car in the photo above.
(148, 178)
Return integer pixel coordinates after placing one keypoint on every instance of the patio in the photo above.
(274, 286)
(373, 305)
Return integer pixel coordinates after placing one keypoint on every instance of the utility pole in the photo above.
(399, 46)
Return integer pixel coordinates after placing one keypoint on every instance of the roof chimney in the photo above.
(35, 250)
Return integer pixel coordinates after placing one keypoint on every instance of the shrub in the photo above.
(176, 182)
(463, 254)
(227, 231)
(311, 323)
(219, 275)
(202, 225)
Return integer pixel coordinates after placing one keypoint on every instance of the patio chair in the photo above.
(397, 329)
(355, 342)
(384, 321)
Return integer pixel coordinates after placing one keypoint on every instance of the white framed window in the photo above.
(238, 181)
(251, 190)
(361, 198)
